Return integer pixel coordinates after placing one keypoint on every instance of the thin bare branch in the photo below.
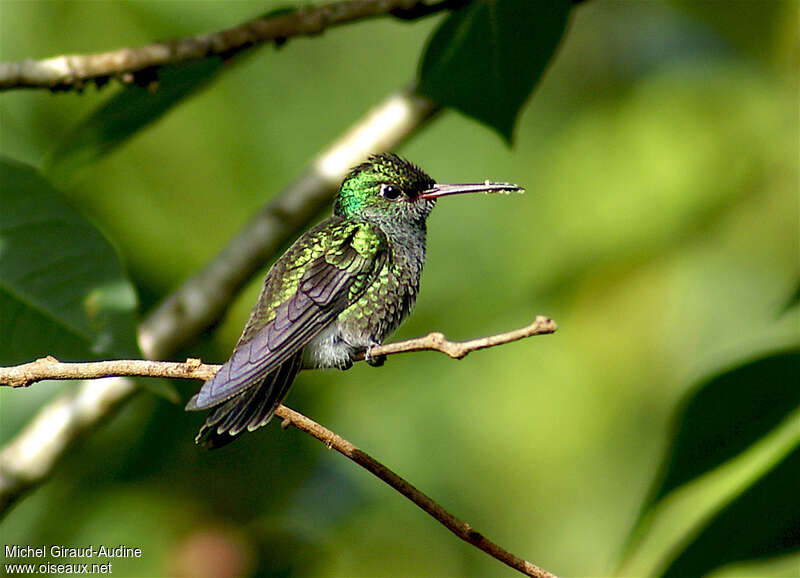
(50, 368)
(458, 349)
(448, 520)
(74, 71)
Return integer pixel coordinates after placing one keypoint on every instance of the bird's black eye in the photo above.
(390, 192)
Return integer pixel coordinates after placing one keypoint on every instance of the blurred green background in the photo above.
(660, 230)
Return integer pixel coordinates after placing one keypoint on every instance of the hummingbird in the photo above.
(337, 292)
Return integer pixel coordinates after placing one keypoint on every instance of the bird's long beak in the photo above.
(485, 187)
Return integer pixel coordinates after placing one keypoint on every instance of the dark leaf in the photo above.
(486, 58)
(728, 413)
(63, 291)
(134, 107)
(141, 102)
(722, 417)
(763, 521)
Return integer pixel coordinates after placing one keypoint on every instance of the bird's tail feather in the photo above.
(251, 409)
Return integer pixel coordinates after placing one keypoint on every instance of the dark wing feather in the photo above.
(250, 409)
(332, 280)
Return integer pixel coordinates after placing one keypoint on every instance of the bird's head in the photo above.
(387, 187)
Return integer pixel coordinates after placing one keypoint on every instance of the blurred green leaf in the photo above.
(163, 388)
(486, 58)
(763, 521)
(723, 416)
(751, 27)
(793, 300)
(126, 113)
(63, 291)
(57, 273)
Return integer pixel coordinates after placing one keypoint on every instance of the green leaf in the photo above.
(486, 58)
(762, 521)
(793, 300)
(63, 291)
(126, 113)
(55, 267)
(722, 417)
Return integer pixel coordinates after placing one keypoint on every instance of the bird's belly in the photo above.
(328, 349)
(367, 322)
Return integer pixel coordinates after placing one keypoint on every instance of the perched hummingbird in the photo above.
(342, 288)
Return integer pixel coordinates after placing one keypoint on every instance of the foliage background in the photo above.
(660, 229)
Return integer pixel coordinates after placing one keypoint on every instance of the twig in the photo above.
(448, 520)
(74, 71)
(50, 368)
(28, 459)
(458, 349)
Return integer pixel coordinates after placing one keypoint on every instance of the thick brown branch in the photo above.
(74, 71)
(51, 368)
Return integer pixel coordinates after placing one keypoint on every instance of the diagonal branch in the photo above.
(74, 71)
(50, 368)
(448, 520)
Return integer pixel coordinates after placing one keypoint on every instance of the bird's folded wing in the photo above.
(331, 280)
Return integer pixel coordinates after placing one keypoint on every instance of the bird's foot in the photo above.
(374, 360)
